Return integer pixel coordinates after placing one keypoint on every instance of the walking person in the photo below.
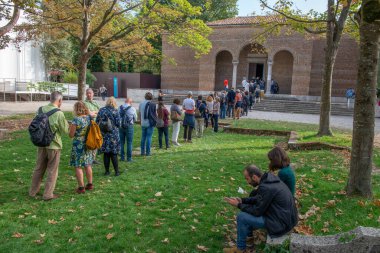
(175, 116)
(199, 114)
(163, 124)
(103, 92)
(81, 157)
(189, 120)
(148, 119)
(245, 103)
(48, 157)
(215, 113)
(210, 107)
(108, 120)
(128, 117)
(238, 104)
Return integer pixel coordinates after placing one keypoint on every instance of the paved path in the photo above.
(10, 108)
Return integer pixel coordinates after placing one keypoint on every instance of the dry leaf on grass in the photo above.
(376, 202)
(109, 236)
(110, 226)
(76, 228)
(122, 194)
(53, 222)
(193, 228)
(166, 240)
(138, 231)
(158, 194)
(202, 248)
(304, 229)
(39, 241)
(17, 235)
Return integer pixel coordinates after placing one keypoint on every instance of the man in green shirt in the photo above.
(91, 105)
(48, 157)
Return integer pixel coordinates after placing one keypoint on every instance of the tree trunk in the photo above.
(330, 55)
(12, 22)
(82, 69)
(359, 182)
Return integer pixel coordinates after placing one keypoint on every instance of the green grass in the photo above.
(193, 180)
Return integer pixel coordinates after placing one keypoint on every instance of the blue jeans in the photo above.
(163, 131)
(223, 111)
(146, 140)
(215, 116)
(245, 224)
(126, 133)
(230, 109)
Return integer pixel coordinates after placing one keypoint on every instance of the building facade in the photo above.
(294, 61)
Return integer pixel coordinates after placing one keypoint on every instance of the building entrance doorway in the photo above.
(256, 70)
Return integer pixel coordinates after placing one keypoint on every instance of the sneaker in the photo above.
(177, 144)
(232, 250)
(107, 173)
(55, 196)
(189, 141)
(89, 187)
(117, 173)
(81, 190)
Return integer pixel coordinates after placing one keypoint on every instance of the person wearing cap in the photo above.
(189, 120)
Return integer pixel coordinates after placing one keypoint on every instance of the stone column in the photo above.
(234, 73)
(269, 77)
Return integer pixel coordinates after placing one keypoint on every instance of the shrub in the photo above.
(70, 77)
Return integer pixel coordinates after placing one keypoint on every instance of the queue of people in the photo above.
(271, 205)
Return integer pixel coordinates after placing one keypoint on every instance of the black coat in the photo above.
(275, 202)
(231, 96)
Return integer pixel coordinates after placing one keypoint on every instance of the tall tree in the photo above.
(359, 182)
(122, 26)
(216, 9)
(332, 24)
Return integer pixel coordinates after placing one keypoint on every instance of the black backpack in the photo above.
(39, 129)
(127, 120)
(150, 114)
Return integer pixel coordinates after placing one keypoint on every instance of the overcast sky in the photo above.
(247, 7)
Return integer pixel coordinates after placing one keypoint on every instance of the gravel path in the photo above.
(344, 122)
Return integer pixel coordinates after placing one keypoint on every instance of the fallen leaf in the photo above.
(152, 200)
(62, 219)
(331, 203)
(138, 231)
(43, 235)
(361, 203)
(110, 226)
(158, 194)
(76, 228)
(325, 230)
(53, 222)
(109, 236)
(196, 178)
(202, 248)
(104, 215)
(193, 228)
(304, 229)
(376, 202)
(183, 199)
(138, 204)
(17, 235)
(122, 194)
(166, 240)
(232, 179)
(71, 240)
(39, 241)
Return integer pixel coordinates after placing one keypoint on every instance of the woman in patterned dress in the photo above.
(111, 139)
(80, 155)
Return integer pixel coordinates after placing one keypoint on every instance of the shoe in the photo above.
(122, 159)
(81, 190)
(233, 250)
(184, 140)
(95, 162)
(55, 196)
(117, 173)
(189, 141)
(129, 161)
(89, 187)
(107, 173)
(177, 144)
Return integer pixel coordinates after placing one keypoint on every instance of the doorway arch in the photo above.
(283, 71)
(223, 69)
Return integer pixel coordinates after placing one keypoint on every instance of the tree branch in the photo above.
(12, 22)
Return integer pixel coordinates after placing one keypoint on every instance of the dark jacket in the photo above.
(201, 107)
(231, 96)
(150, 113)
(275, 202)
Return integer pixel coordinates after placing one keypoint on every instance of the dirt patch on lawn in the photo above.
(15, 124)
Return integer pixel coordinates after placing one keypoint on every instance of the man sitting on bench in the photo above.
(270, 206)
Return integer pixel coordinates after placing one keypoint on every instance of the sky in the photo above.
(247, 7)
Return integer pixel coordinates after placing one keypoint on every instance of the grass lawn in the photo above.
(127, 213)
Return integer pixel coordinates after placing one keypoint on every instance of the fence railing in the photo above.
(11, 86)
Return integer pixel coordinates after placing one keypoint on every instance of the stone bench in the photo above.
(278, 240)
(359, 240)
